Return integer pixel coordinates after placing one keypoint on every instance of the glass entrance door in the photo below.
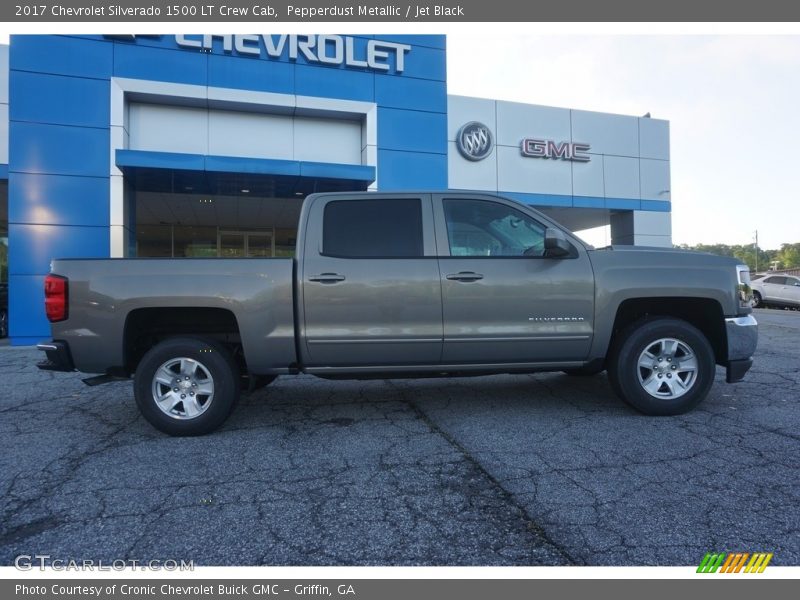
(241, 244)
(231, 244)
(259, 245)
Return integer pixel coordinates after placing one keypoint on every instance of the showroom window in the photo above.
(485, 228)
(373, 228)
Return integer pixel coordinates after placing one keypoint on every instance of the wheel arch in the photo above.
(146, 327)
(703, 313)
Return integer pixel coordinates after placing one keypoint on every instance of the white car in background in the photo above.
(776, 290)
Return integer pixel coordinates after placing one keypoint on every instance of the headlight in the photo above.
(743, 289)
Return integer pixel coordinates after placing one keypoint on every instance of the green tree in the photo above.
(789, 255)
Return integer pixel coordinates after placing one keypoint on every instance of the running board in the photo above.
(101, 379)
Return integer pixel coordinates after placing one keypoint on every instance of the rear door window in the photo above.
(381, 228)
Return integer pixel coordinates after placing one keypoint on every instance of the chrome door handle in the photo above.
(464, 276)
(327, 278)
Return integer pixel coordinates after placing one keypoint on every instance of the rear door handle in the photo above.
(465, 276)
(327, 278)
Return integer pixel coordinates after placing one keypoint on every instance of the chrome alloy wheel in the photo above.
(183, 388)
(667, 368)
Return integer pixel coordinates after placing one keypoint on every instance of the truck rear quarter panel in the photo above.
(103, 292)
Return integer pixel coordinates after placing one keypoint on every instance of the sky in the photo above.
(733, 103)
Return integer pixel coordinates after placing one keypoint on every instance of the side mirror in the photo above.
(555, 243)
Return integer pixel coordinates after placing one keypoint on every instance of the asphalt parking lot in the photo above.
(507, 470)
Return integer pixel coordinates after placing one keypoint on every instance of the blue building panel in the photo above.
(331, 82)
(337, 171)
(588, 201)
(623, 203)
(411, 170)
(81, 101)
(32, 247)
(160, 160)
(657, 205)
(176, 66)
(58, 200)
(256, 166)
(251, 74)
(412, 131)
(426, 63)
(61, 55)
(59, 149)
(414, 94)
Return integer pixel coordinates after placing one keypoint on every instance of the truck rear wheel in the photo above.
(662, 366)
(186, 386)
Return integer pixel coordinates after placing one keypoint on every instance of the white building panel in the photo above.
(465, 174)
(654, 175)
(462, 110)
(517, 173)
(327, 140)
(621, 176)
(168, 128)
(516, 121)
(253, 135)
(654, 138)
(587, 178)
(165, 128)
(617, 135)
(646, 222)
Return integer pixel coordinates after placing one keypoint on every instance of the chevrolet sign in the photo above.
(323, 49)
(536, 148)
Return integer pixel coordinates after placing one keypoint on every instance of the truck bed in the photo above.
(104, 293)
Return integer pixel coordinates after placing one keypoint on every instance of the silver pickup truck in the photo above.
(388, 285)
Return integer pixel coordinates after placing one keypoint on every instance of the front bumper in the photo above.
(58, 357)
(742, 341)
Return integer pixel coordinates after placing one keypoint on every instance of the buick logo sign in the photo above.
(474, 141)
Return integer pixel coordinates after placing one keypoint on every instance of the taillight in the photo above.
(55, 298)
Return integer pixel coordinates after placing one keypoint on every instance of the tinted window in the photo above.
(776, 280)
(485, 228)
(792, 281)
(373, 228)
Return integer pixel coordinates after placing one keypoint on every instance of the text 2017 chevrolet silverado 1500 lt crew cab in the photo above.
(389, 285)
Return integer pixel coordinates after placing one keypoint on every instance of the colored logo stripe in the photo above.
(733, 562)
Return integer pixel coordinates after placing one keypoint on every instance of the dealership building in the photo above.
(206, 145)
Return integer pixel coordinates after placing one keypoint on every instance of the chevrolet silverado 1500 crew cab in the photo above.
(401, 285)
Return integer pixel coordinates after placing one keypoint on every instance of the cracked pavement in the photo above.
(539, 469)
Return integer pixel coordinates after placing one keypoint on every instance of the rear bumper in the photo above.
(742, 341)
(58, 357)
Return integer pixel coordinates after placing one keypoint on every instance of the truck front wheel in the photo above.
(186, 386)
(662, 366)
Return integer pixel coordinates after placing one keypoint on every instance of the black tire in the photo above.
(629, 380)
(214, 364)
(3, 323)
(757, 301)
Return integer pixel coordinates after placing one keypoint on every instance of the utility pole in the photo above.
(756, 249)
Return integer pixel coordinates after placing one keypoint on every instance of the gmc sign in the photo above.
(558, 150)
